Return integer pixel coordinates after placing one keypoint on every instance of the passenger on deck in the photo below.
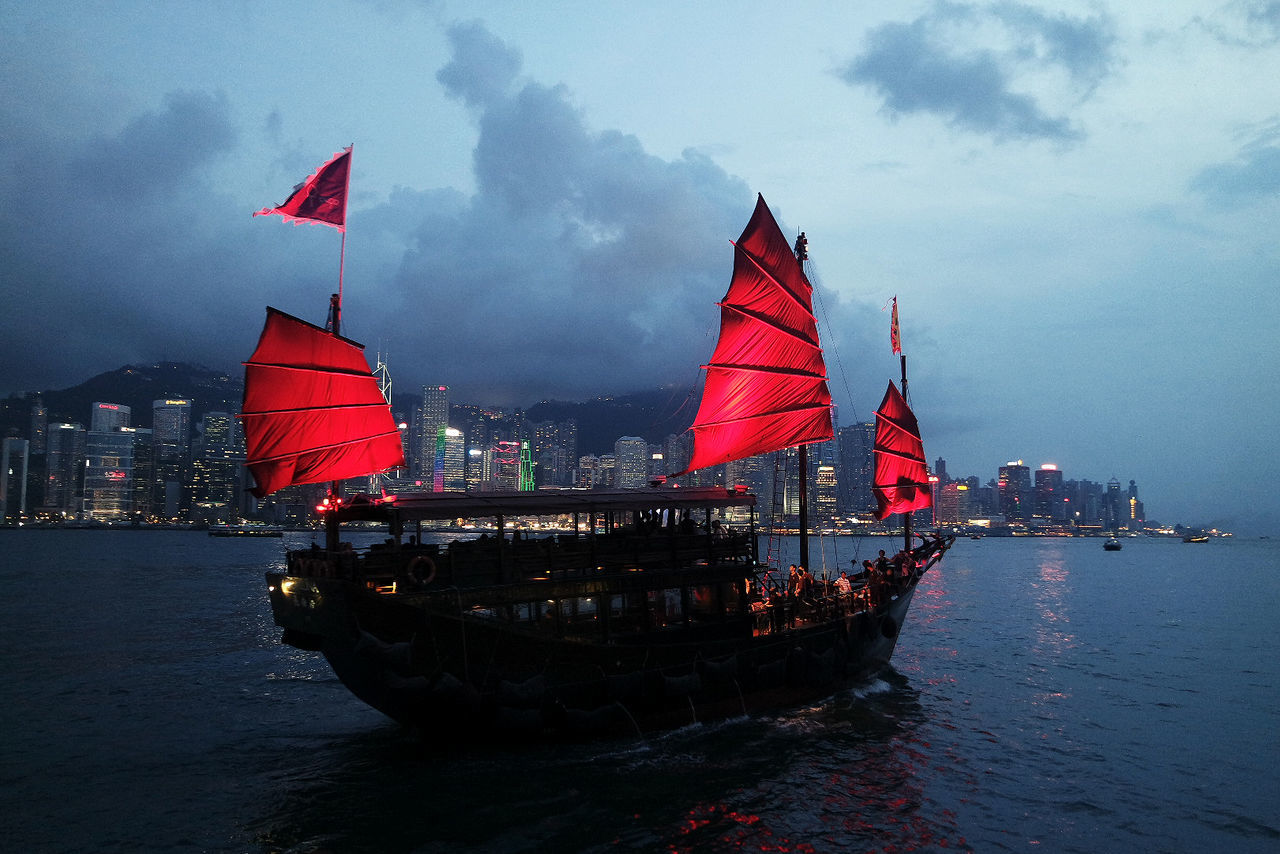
(842, 583)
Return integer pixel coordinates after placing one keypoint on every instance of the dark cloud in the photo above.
(582, 264)
(926, 67)
(157, 151)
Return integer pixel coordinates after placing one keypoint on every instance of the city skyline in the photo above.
(173, 434)
(1074, 203)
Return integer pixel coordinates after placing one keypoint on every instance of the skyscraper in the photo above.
(432, 417)
(63, 460)
(632, 454)
(171, 440)
(1015, 491)
(1050, 493)
(105, 417)
(14, 456)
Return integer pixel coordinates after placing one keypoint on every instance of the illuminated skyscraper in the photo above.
(105, 417)
(432, 417)
(632, 455)
(1015, 492)
(14, 455)
(64, 465)
(857, 469)
(1050, 494)
(171, 441)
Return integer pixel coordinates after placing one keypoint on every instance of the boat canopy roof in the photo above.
(542, 502)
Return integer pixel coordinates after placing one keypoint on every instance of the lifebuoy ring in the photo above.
(422, 570)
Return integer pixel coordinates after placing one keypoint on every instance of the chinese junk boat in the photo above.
(647, 614)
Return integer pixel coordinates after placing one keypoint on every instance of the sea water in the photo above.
(1045, 696)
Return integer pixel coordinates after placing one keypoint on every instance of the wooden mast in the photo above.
(331, 532)
(802, 451)
(906, 517)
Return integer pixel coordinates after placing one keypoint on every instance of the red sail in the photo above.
(901, 479)
(766, 385)
(312, 410)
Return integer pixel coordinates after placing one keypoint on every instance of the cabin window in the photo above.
(626, 613)
(731, 597)
(665, 607)
(522, 613)
(704, 602)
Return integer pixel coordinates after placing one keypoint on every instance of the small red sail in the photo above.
(766, 386)
(312, 410)
(901, 478)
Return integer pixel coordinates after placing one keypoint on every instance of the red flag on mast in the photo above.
(321, 198)
(894, 339)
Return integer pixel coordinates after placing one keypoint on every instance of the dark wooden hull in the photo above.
(455, 674)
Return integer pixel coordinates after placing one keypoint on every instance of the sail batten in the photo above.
(766, 384)
(313, 411)
(901, 479)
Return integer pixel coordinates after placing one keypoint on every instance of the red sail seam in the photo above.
(294, 454)
(786, 290)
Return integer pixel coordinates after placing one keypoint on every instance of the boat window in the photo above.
(731, 597)
(626, 613)
(665, 608)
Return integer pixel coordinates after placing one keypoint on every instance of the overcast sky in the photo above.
(1077, 205)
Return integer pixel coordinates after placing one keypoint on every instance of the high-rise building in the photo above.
(632, 455)
(824, 494)
(105, 417)
(857, 468)
(216, 466)
(39, 426)
(15, 457)
(64, 467)
(144, 473)
(1050, 493)
(1015, 492)
(108, 474)
(433, 416)
(171, 438)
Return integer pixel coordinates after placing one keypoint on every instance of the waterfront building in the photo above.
(217, 466)
(432, 418)
(1050, 494)
(144, 473)
(105, 417)
(824, 488)
(588, 472)
(632, 455)
(15, 455)
(108, 474)
(857, 469)
(39, 428)
(64, 464)
(1015, 492)
(171, 441)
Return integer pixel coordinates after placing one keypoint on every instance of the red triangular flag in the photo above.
(321, 198)
(895, 339)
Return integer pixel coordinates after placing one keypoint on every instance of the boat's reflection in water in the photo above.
(844, 774)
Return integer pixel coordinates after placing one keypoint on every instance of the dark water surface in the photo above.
(1046, 696)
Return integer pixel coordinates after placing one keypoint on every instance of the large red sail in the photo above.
(312, 410)
(766, 386)
(901, 479)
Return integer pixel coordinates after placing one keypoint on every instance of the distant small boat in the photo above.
(1196, 538)
(1112, 544)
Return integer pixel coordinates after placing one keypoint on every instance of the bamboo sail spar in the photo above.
(766, 386)
(313, 410)
(901, 482)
